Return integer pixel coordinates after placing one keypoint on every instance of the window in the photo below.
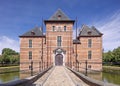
(89, 54)
(30, 54)
(30, 43)
(59, 41)
(89, 43)
(89, 66)
(64, 28)
(53, 28)
(59, 17)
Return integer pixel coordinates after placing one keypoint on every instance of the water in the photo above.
(9, 77)
(6, 77)
(106, 77)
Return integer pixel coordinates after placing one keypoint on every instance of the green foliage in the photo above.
(116, 53)
(112, 56)
(8, 51)
(9, 56)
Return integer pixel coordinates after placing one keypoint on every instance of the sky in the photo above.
(19, 16)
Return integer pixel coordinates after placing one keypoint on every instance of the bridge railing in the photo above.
(85, 66)
(32, 73)
(34, 67)
(30, 68)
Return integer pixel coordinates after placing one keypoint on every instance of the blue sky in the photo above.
(19, 16)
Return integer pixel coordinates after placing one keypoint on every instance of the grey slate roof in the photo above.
(86, 31)
(35, 32)
(59, 15)
(76, 41)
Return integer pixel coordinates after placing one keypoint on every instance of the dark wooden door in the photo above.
(58, 60)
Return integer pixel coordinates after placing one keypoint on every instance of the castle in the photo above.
(57, 45)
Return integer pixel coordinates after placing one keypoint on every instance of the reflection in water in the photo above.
(106, 77)
(97, 76)
(6, 77)
(111, 78)
(9, 77)
(24, 75)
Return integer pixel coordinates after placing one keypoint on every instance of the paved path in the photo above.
(42, 79)
(59, 76)
(75, 79)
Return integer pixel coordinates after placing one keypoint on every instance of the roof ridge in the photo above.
(94, 28)
(36, 31)
(83, 27)
(87, 31)
(56, 16)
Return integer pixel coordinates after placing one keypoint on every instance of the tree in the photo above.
(116, 53)
(108, 57)
(112, 56)
(9, 51)
(9, 56)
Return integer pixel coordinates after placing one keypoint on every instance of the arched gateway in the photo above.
(59, 60)
(59, 57)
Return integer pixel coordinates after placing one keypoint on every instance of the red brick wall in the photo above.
(82, 50)
(67, 45)
(51, 37)
(36, 52)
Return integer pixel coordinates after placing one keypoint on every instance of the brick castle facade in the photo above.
(57, 45)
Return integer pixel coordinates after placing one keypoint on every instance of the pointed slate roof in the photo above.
(35, 32)
(86, 31)
(59, 15)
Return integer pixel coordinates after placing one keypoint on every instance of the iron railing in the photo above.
(85, 66)
(31, 67)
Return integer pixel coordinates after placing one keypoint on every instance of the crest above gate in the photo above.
(59, 51)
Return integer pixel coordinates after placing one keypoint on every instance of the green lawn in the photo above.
(9, 69)
(112, 67)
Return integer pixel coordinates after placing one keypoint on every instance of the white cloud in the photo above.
(6, 42)
(110, 27)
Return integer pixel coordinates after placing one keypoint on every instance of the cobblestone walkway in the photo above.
(42, 79)
(75, 79)
(59, 77)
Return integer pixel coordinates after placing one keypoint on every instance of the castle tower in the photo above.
(59, 29)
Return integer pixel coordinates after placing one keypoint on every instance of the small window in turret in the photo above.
(59, 17)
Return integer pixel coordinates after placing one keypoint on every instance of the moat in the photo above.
(105, 77)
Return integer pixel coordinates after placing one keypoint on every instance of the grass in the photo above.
(111, 69)
(9, 69)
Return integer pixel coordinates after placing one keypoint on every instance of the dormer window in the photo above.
(59, 17)
(32, 33)
(89, 32)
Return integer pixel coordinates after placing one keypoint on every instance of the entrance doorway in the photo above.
(59, 60)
